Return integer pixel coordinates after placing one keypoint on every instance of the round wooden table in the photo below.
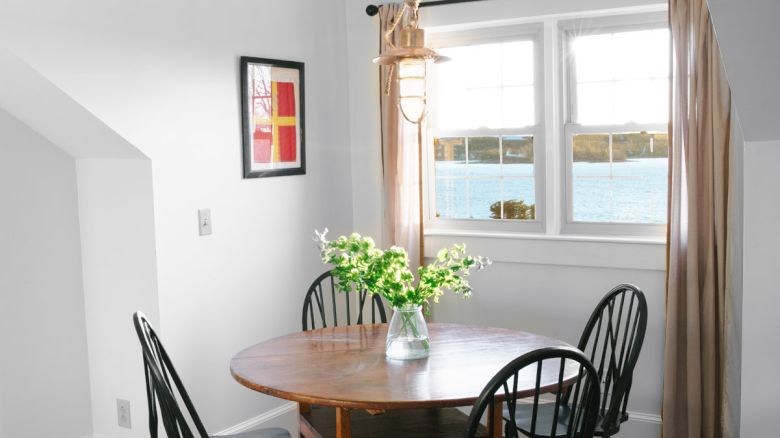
(346, 367)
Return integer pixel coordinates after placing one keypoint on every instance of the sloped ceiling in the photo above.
(45, 108)
(749, 36)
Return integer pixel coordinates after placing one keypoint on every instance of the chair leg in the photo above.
(306, 430)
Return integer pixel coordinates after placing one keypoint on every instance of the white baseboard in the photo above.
(255, 422)
(644, 417)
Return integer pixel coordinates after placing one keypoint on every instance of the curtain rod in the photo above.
(374, 9)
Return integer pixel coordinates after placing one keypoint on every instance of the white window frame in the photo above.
(598, 25)
(524, 32)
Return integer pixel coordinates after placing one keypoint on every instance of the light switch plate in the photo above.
(204, 222)
(123, 413)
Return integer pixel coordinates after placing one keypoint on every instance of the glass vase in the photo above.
(407, 335)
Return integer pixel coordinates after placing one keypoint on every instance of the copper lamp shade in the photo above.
(412, 46)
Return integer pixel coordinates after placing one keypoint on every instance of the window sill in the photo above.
(617, 252)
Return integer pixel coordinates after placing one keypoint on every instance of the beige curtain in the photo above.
(399, 156)
(697, 292)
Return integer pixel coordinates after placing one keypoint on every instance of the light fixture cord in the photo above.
(409, 5)
(389, 41)
(396, 21)
(414, 5)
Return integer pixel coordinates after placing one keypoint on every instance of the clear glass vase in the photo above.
(407, 335)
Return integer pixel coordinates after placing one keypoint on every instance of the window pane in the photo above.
(517, 154)
(484, 192)
(450, 156)
(591, 148)
(593, 62)
(622, 77)
(491, 178)
(595, 103)
(481, 62)
(484, 170)
(627, 186)
(484, 151)
(518, 106)
(519, 198)
(484, 108)
(451, 195)
(641, 54)
(517, 63)
(485, 86)
(641, 101)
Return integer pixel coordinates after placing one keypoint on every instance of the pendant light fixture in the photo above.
(410, 62)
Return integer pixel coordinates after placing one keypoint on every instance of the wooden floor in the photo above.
(416, 423)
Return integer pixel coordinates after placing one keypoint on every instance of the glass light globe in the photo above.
(411, 87)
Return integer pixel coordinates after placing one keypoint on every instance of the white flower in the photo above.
(321, 238)
(483, 262)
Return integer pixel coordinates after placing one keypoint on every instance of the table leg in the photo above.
(343, 426)
(304, 408)
(497, 420)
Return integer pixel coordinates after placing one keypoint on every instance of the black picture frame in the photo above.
(262, 99)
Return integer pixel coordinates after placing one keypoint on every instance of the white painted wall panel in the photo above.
(760, 299)
(44, 378)
(164, 76)
(120, 277)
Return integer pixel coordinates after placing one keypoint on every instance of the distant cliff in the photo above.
(586, 147)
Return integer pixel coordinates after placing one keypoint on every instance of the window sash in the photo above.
(570, 128)
(528, 32)
(533, 225)
(601, 25)
(569, 225)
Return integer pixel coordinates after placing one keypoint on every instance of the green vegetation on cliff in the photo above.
(586, 147)
(513, 209)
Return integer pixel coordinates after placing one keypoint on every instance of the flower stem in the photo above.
(409, 323)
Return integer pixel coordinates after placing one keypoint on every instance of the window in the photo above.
(617, 147)
(491, 127)
(485, 131)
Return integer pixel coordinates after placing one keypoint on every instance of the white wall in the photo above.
(120, 277)
(117, 230)
(364, 119)
(752, 67)
(760, 325)
(747, 34)
(735, 233)
(43, 365)
(164, 75)
(556, 295)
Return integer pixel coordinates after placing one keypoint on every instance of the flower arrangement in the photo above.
(359, 265)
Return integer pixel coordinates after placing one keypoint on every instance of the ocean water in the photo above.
(632, 191)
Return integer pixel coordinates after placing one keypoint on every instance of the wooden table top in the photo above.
(346, 366)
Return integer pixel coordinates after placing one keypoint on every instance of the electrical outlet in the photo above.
(204, 222)
(123, 413)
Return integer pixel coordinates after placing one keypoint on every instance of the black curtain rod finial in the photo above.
(374, 9)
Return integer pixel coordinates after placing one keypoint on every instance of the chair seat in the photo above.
(260, 433)
(544, 418)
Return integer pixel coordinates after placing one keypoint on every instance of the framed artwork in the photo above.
(272, 115)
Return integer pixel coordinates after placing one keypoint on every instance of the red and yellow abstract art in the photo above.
(273, 115)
